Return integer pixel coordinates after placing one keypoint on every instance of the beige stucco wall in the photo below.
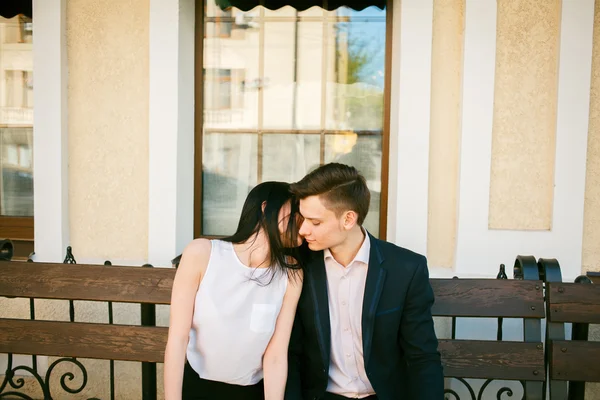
(525, 104)
(524, 126)
(591, 226)
(108, 61)
(591, 223)
(108, 97)
(444, 140)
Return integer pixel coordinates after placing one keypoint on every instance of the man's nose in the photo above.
(303, 229)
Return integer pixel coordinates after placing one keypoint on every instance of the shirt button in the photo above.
(343, 303)
(346, 329)
(348, 355)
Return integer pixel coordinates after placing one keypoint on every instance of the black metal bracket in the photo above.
(550, 272)
(526, 268)
(6, 250)
(69, 258)
(148, 312)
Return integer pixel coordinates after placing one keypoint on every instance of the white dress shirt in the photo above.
(346, 289)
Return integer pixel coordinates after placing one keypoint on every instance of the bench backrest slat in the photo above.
(575, 360)
(488, 298)
(87, 340)
(573, 302)
(454, 297)
(461, 358)
(86, 282)
(499, 360)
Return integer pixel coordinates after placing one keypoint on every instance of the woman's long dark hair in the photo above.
(283, 248)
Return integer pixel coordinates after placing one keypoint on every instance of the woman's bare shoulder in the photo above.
(195, 256)
(198, 247)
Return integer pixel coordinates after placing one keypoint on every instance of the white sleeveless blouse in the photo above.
(234, 318)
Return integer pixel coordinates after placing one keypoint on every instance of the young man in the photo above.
(363, 327)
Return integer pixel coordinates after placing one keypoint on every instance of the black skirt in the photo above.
(196, 388)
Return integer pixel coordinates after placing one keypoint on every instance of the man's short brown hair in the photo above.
(340, 187)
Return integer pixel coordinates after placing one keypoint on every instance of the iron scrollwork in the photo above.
(44, 383)
(503, 390)
(451, 394)
(455, 394)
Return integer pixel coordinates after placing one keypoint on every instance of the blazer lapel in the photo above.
(318, 286)
(373, 288)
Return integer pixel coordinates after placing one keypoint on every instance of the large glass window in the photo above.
(285, 91)
(16, 128)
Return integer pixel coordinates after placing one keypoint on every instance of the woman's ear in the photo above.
(263, 206)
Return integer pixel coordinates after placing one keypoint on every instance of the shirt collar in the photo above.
(363, 253)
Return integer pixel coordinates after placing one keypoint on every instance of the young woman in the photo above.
(233, 305)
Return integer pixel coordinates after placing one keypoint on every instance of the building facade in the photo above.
(476, 122)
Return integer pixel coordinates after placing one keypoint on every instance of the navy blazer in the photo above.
(399, 342)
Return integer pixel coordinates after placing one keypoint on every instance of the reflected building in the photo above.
(16, 116)
(284, 92)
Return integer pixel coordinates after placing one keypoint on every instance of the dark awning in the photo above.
(300, 5)
(10, 8)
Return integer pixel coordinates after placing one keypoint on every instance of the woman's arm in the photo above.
(189, 274)
(275, 360)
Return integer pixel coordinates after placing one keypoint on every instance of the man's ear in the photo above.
(349, 219)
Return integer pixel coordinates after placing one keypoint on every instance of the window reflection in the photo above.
(16, 117)
(306, 86)
(230, 169)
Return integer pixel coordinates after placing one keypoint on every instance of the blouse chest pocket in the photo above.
(262, 319)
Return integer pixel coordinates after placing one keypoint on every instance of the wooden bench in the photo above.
(455, 298)
(147, 286)
(495, 359)
(571, 363)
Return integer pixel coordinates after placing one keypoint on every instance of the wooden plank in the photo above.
(22, 249)
(86, 282)
(16, 228)
(574, 302)
(85, 340)
(575, 360)
(488, 298)
(492, 359)
(594, 276)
